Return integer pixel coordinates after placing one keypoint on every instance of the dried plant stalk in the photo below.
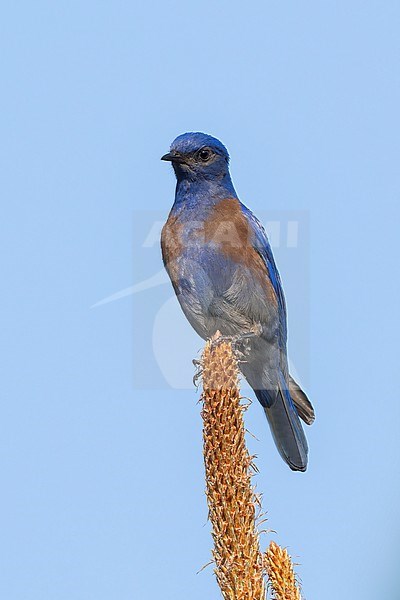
(231, 498)
(281, 574)
(232, 502)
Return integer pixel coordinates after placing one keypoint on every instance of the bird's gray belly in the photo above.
(217, 294)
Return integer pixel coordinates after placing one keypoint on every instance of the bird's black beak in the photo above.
(172, 157)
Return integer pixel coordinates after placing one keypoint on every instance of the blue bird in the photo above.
(223, 272)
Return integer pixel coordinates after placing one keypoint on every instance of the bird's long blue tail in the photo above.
(285, 425)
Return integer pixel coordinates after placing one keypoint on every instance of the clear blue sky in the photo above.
(101, 466)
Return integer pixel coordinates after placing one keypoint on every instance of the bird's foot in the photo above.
(240, 342)
(199, 372)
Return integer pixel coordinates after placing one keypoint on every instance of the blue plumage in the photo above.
(222, 269)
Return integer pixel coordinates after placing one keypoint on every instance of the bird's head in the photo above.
(198, 156)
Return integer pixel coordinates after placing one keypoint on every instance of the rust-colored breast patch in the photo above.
(171, 240)
(228, 228)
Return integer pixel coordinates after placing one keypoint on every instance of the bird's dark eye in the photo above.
(204, 154)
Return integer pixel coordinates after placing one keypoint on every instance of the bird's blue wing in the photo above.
(262, 246)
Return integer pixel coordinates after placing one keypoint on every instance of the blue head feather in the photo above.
(201, 165)
(192, 142)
